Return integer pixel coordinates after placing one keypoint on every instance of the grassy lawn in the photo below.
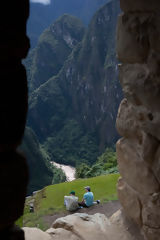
(51, 199)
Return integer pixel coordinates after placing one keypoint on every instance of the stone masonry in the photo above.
(138, 120)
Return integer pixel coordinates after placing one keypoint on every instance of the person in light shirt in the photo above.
(71, 202)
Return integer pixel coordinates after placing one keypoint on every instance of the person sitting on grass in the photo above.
(71, 202)
(88, 198)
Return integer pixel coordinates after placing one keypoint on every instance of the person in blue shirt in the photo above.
(88, 198)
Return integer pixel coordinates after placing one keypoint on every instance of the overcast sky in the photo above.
(41, 1)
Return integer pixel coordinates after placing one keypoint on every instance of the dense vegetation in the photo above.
(105, 164)
(74, 95)
(42, 173)
(73, 113)
(71, 145)
(54, 46)
(51, 199)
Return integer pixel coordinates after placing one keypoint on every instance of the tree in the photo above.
(82, 170)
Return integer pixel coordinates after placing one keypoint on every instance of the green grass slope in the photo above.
(51, 199)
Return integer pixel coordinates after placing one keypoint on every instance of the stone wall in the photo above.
(14, 46)
(138, 120)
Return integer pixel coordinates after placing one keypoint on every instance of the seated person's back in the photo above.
(71, 202)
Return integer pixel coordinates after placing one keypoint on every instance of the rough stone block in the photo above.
(141, 87)
(134, 169)
(156, 165)
(147, 133)
(132, 38)
(151, 233)
(153, 66)
(149, 148)
(131, 123)
(140, 5)
(151, 211)
(130, 202)
(127, 121)
(154, 32)
(152, 125)
(141, 84)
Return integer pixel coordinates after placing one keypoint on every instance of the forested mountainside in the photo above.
(54, 46)
(40, 174)
(40, 171)
(41, 16)
(73, 114)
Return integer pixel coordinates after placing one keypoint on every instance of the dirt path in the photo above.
(106, 208)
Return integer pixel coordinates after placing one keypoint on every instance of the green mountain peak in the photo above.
(54, 46)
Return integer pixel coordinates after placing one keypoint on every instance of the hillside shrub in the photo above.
(106, 164)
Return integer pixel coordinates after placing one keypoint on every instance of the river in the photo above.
(68, 170)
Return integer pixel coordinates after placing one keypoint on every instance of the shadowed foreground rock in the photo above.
(81, 226)
(14, 45)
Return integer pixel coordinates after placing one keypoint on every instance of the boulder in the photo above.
(81, 226)
(97, 226)
(36, 234)
(84, 226)
(60, 233)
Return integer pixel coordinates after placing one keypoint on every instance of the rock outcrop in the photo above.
(36, 234)
(81, 226)
(138, 119)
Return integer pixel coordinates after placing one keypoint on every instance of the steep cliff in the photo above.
(41, 16)
(90, 79)
(73, 113)
(54, 46)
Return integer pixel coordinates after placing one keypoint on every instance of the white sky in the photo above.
(42, 1)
